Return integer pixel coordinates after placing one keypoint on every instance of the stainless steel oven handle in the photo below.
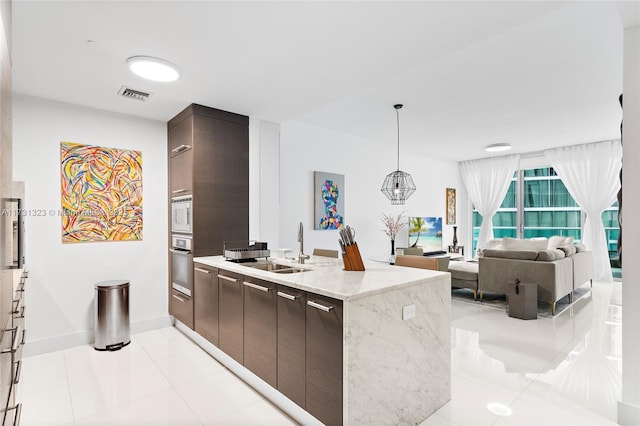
(226, 278)
(183, 252)
(206, 271)
(256, 286)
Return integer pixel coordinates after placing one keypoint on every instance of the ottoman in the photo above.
(464, 275)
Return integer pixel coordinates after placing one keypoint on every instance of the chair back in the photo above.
(413, 251)
(325, 253)
(433, 263)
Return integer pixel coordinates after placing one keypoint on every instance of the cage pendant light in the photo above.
(398, 185)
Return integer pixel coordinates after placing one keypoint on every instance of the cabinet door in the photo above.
(182, 308)
(324, 359)
(260, 328)
(291, 343)
(180, 136)
(205, 281)
(181, 174)
(230, 317)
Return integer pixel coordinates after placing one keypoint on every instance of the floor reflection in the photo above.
(575, 356)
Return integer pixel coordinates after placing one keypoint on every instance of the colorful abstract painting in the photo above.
(329, 200)
(425, 232)
(101, 193)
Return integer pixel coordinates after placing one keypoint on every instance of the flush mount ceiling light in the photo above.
(398, 185)
(154, 69)
(497, 147)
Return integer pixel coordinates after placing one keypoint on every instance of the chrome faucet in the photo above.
(301, 255)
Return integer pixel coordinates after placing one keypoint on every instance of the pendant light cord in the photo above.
(398, 125)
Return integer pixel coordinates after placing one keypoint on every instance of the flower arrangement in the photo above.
(393, 224)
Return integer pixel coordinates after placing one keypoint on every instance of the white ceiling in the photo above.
(533, 74)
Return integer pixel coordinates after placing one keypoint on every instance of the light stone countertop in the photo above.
(325, 276)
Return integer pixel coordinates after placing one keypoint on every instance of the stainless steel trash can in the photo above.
(112, 315)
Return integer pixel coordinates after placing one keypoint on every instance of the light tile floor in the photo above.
(560, 371)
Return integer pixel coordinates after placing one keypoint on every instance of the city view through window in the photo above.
(538, 204)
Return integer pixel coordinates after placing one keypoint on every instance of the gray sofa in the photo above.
(556, 271)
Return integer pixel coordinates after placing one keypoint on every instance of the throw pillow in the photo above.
(580, 247)
(568, 250)
(550, 255)
(559, 240)
(529, 245)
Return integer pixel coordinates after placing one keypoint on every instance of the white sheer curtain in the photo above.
(590, 173)
(487, 182)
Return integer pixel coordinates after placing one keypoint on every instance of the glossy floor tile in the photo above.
(551, 371)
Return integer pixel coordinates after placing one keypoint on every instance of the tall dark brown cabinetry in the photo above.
(208, 160)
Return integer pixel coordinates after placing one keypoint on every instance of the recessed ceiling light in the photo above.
(154, 69)
(496, 147)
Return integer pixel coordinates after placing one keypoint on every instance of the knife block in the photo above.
(352, 259)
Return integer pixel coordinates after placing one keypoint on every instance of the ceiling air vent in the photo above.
(133, 94)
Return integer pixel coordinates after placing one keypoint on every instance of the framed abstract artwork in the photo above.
(101, 191)
(328, 200)
(425, 232)
(451, 206)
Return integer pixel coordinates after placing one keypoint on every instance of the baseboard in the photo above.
(51, 344)
(628, 414)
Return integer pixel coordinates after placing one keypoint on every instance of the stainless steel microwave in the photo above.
(182, 215)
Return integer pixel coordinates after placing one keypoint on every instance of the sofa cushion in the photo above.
(550, 255)
(569, 250)
(511, 254)
(559, 240)
(528, 245)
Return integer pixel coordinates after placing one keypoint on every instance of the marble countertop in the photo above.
(325, 276)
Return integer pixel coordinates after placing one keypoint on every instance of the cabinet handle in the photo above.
(179, 298)
(18, 370)
(18, 408)
(226, 278)
(177, 191)
(287, 296)
(206, 271)
(180, 148)
(15, 344)
(257, 287)
(319, 306)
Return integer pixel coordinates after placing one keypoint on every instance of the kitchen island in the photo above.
(395, 336)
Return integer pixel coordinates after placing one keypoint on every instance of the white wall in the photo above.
(60, 288)
(305, 148)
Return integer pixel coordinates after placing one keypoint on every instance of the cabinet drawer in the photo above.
(182, 308)
(260, 328)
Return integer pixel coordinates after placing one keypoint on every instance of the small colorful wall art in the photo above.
(101, 193)
(329, 200)
(425, 232)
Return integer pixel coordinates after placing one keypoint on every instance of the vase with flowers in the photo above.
(393, 224)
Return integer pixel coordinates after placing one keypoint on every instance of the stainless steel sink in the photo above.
(276, 268)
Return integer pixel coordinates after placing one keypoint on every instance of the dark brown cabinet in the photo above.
(231, 315)
(291, 343)
(324, 358)
(260, 328)
(181, 307)
(205, 301)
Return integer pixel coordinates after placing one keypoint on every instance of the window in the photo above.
(545, 209)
